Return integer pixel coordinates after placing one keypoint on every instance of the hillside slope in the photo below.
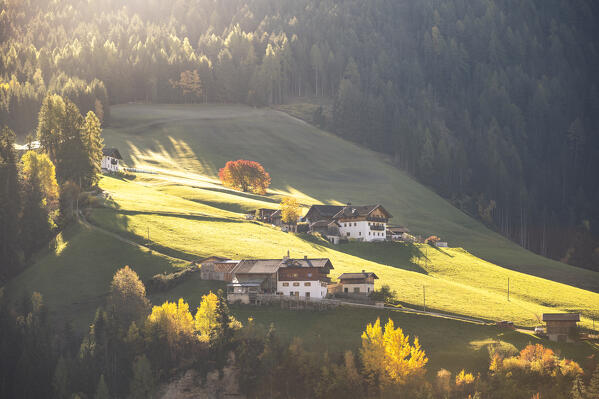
(193, 142)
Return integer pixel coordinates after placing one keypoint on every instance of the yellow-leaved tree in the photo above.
(388, 356)
(206, 322)
(290, 210)
(37, 167)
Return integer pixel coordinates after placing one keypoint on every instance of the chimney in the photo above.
(287, 256)
(306, 257)
(363, 271)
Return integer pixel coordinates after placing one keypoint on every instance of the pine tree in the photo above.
(35, 225)
(93, 143)
(61, 379)
(142, 384)
(593, 388)
(102, 389)
(10, 205)
(578, 391)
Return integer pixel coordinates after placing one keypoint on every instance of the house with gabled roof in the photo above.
(363, 223)
(110, 159)
(357, 283)
(307, 278)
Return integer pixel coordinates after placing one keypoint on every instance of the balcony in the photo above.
(376, 219)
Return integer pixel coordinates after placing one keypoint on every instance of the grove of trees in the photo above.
(38, 188)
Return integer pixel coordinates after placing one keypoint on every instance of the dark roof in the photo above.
(357, 275)
(212, 259)
(276, 213)
(360, 210)
(325, 211)
(561, 317)
(269, 266)
(308, 262)
(398, 229)
(111, 152)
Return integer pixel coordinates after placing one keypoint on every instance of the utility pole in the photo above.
(424, 297)
(508, 289)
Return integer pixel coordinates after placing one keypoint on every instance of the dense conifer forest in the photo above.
(493, 103)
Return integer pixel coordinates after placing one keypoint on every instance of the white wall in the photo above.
(107, 164)
(361, 231)
(364, 288)
(315, 289)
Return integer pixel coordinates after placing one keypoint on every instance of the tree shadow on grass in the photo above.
(264, 198)
(394, 254)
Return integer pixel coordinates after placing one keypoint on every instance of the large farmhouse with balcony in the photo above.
(307, 278)
(363, 223)
(110, 159)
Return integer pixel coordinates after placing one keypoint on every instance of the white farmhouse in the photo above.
(307, 278)
(363, 223)
(357, 283)
(110, 159)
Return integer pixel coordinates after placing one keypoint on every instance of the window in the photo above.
(357, 290)
(285, 284)
(296, 284)
(307, 284)
(307, 295)
(291, 293)
(345, 290)
(348, 233)
(368, 289)
(355, 224)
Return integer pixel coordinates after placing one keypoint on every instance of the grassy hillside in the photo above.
(190, 143)
(183, 212)
(455, 280)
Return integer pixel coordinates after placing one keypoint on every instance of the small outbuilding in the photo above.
(110, 159)
(357, 283)
(561, 327)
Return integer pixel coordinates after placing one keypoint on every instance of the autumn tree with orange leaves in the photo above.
(245, 176)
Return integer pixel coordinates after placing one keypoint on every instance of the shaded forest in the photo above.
(493, 103)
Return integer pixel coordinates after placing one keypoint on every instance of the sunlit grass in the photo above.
(187, 144)
(455, 280)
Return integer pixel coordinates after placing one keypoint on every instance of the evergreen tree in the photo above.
(102, 389)
(35, 223)
(593, 388)
(10, 205)
(93, 144)
(142, 383)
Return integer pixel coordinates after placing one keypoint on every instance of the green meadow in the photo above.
(182, 213)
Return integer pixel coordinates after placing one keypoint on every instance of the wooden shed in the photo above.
(561, 327)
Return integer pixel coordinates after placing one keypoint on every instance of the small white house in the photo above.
(110, 159)
(357, 283)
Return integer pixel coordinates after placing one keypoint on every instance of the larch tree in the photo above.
(127, 300)
(40, 165)
(93, 144)
(190, 84)
(388, 356)
(290, 210)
